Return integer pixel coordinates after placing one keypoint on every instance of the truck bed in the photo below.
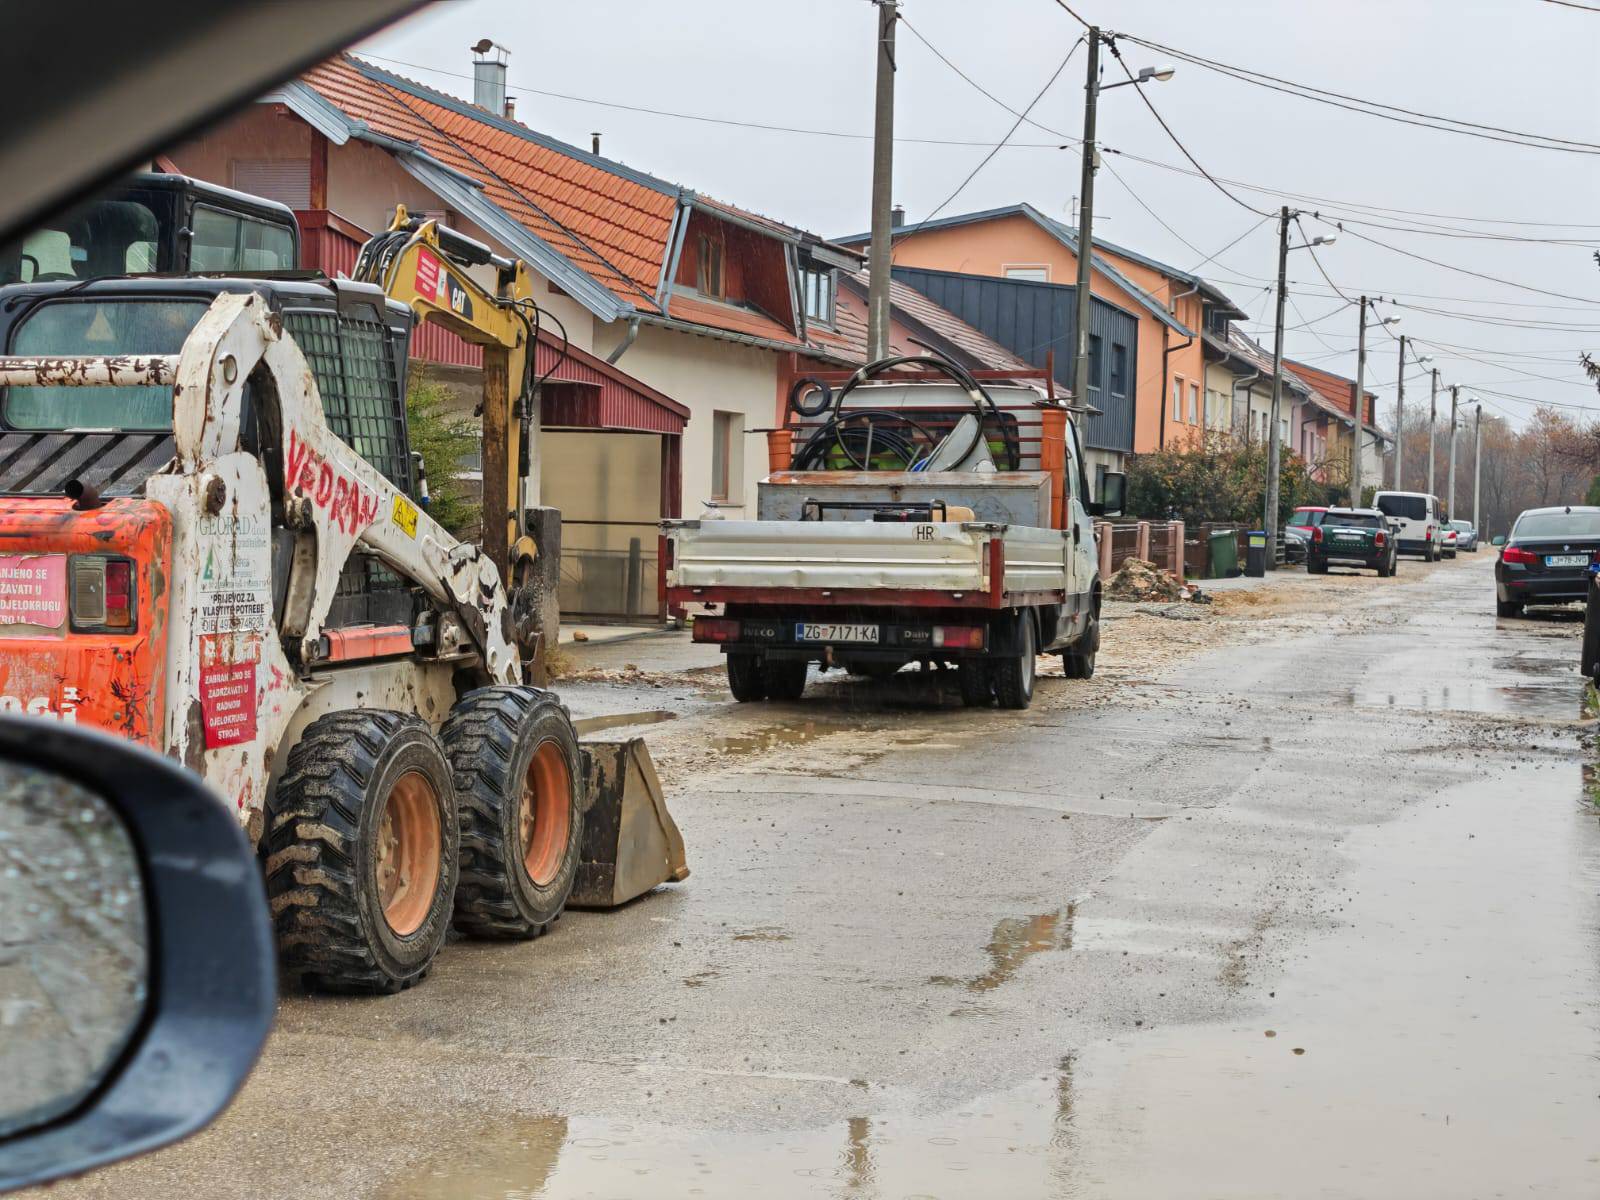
(972, 564)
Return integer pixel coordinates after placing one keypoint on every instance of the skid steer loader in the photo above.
(213, 541)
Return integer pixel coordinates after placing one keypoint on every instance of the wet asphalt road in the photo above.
(1315, 916)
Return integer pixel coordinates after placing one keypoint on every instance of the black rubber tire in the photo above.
(1591, 635)
(1431, 554)
(746, 680)
(321, 869)
(1014, 676)
(785, 678)
(1077, 662)
(1316, 566)
(491, 738)
(976, 682)
(1508, 608)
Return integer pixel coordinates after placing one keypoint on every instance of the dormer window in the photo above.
(818, 288)
(708, 281)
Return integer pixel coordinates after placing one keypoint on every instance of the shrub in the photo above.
(447, 441)
(1221, 479)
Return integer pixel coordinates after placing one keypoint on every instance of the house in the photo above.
(1239, 400)
(683, 320)
(1172, 306)
(1027, 318)
(1337, 427)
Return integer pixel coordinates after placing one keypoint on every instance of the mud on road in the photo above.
(1294, 897)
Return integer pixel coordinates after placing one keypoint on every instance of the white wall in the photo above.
(707, 375)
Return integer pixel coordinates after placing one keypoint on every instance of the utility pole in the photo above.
(879, 263)
(1269, 519)
(1477, 465)
(1361, 404)
(1433, 417)
(1400, 414)
(1091, 97)
(1450, 502)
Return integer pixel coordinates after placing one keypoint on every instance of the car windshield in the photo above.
(1576, 523)
(88, 326)
(1307, 518)
(1411, 508)
(1352, 521)
(1461, 526)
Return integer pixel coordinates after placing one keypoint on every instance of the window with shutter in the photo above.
(286, 180)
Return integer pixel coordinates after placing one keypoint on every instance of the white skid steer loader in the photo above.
(397, 774)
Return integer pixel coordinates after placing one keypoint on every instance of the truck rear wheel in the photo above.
(977, 683)
(514, 757)
(361, 852)
(746, 680)
(1013, 677)
(785, 679)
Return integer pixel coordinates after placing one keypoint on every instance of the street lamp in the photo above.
(1091, 161)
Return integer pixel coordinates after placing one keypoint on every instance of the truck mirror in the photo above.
(166, 900)
(1113, 495)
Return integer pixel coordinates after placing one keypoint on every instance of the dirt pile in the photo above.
(1140, 580)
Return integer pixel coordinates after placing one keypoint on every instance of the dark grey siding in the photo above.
(1031, 320)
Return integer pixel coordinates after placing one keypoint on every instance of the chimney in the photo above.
(489, 75)
(511, 108)
(594, 139)
(897, 216)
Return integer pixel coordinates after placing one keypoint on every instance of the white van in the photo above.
(1421, 531)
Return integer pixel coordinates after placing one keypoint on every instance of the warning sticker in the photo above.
(33, 589)
(228, 687)
(428, 274)
(405, 516)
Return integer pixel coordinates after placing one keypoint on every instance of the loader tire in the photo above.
(518, 780)
(785, 679)
(1013, 676)
(362, 835)
(746, 680)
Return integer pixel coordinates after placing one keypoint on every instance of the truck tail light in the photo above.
(716, 629)
(102, 592)
(958, 637)
(1516, 554)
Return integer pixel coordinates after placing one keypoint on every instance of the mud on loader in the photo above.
(191, 556)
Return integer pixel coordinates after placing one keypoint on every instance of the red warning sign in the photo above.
(428, 273)
(228, 687)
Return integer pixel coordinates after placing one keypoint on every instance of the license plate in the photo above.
(835, 633)
(1566, 560)
(1347, 537)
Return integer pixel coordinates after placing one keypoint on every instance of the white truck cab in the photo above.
(1421, 525)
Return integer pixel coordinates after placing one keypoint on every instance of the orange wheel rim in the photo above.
(410, 845)
(545, 813)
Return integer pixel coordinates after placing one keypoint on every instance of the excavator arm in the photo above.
(427, 267)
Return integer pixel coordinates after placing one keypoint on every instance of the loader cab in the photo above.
(112, 439)
(157, 224)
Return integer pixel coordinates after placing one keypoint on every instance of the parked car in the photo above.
(1545, 560)
(1354, 537)
(1466, 536)
(1297, 531)
(1421, 531)
(1451, 538)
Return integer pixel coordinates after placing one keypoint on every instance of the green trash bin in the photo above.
(1223, 557)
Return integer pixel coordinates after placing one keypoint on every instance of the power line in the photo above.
(971, 175)
(1374, 108)
(1574, 4)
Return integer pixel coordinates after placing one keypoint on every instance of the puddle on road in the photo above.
(770, 738)
(1015, 940)
(653, 716)
(1561, 699)
(1015, 1143)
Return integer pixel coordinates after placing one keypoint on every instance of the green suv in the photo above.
(1354, 537)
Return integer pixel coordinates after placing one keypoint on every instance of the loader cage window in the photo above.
(89, 326)
(361, 398)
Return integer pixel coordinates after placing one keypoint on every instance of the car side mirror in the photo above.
(140, 981)
(1113, 495)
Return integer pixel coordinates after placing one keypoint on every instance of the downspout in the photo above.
(1166, 353)
(628, 338)
(1249, 382)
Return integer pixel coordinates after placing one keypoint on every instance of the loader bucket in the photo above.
(630, 842)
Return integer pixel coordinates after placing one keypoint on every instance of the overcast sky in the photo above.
(1526, 65)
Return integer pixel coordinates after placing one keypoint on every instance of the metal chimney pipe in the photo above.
(489, 75)
(897, 216)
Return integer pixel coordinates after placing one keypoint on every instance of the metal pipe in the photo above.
(89, 370)
(628, 339)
